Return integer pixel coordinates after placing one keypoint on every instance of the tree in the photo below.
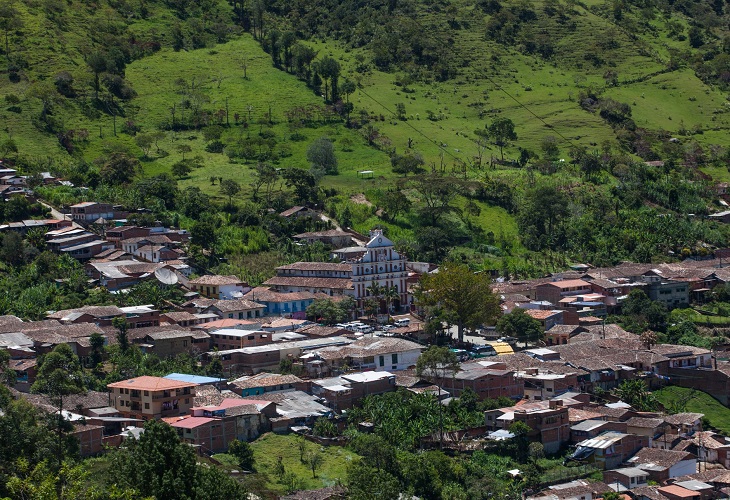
(7, 376)
(120, 323)
(394, 202)
(541, 217)
(329, 69)
(502, 132)
(9, 20)
(215, 367)
(144, 141)
(390, 294)
(8, 146)
(365, 482)
(97, 347)
(436, 363)
(458, 291)
(184, 148)
(549, 146)
(437, 193)
(410, 163)
(303, 183)
(243, 453)
(119, 168)
(203, 234)
(97, 62)
(521, 441)
(181, 168)
(12, 250)
(59, 375)
(324, 427)
(327, 311)
(264, 175)
(649, 339)
(321, 154)
(159, 465)
(230, 188)
(314, 461)
(635, 393)
(612, 495)
(518, 323)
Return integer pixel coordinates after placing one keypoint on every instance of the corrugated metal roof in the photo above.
(602, 441)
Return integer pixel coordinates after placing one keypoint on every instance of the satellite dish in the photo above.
(166, 276)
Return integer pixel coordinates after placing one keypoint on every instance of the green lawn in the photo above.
(701, 402)
(703, 319)
(269, 447)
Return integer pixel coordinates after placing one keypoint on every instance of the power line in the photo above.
(439, 146)
(427, 33)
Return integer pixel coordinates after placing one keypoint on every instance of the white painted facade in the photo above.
(381, 264)
(397, 360)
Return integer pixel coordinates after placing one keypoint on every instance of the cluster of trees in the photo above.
(394, 462)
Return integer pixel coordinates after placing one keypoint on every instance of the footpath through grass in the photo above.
(697, 402)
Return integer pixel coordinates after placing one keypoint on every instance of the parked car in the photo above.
(400, 323)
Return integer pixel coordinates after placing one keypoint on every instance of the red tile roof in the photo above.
(146, 383)
(189, 422)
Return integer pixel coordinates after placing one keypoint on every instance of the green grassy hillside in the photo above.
(593, 90)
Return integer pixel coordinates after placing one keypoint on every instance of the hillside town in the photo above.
(272, 366)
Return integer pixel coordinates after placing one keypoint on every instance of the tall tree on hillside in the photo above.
(9, 21)
(502, 132)
(437, 193)
(119, 168)
(329, 70)
(59, 375)
(230, 188)
(459, 292)
(321, 155)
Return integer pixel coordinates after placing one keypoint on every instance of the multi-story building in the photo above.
(555, 291)
(89, 211)
(381, 265)
(151, 397)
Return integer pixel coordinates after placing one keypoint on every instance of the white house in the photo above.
(379, 354)
(219, 287)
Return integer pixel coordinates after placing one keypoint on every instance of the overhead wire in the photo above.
(428, 33)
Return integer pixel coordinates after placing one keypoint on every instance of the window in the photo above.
(394, 358)
(146, 393)
(382, 360)
(187, 401)
(146, 406)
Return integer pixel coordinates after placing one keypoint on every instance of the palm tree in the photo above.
(376, 292)
(390, 293)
